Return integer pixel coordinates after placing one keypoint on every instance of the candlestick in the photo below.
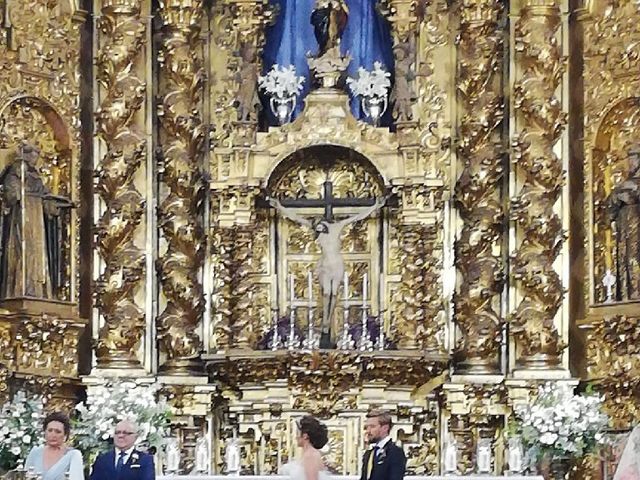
(365, 342)
(381, 331)
(172, 454)
(483, 456)
(202, 455)
(232, 456)
(275, 339)
(515, 456)
(346, 342)
(292, 341)
(450, 458)
(310, 342)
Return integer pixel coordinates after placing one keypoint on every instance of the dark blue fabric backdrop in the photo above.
(367, 39)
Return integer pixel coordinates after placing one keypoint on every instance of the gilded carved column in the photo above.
(242, 287)
(477, 191)
(540, 123)
(415, 302)
(121, 127)
(182, 188)
(222, 243)
(238, 252)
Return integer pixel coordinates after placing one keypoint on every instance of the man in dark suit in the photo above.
(385, 460)
(124, 462)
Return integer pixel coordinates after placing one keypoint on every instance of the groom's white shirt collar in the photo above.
(380, 445)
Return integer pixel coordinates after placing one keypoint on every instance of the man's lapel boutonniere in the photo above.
(135, 460)
(381, 456)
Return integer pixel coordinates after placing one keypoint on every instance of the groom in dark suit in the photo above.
(385, 460)
(124, 462)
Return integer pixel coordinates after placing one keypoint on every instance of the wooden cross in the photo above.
(328, 202)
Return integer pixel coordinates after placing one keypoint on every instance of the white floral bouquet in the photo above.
(560, 424)
(375, 83)
(20, 429)
(281, 82)
(117, 400)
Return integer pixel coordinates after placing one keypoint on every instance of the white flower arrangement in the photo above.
(281, 82)
(375, 83)
(20, 429)
(118, 400)
(559, 424)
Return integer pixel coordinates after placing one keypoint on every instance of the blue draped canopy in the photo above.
(366, 38)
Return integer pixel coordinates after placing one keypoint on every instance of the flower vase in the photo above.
(559, 468)
(374, 107)
(283, 107)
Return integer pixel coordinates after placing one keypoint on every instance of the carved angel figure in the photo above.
(402, 96)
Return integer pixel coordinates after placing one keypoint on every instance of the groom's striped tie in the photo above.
(120, 463)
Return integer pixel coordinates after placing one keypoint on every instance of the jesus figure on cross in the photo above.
(330, 268)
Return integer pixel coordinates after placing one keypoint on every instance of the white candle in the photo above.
(515, 455)
(202, 455)
(364, 338)
(173, 456)
(345, 288)
(291, 344)
(451, 458)
(484, 455)
(310, 343)
(275, 340)
(364, 290)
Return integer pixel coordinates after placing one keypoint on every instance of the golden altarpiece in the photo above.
(498, 263)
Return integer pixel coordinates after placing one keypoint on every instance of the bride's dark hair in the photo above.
(316, 431)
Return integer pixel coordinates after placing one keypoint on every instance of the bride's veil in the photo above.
(628, 466)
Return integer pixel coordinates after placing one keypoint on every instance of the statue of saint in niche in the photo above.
(329, 19)
(247, 78)
(30, 251)
(624, 208)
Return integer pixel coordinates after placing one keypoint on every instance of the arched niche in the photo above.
(619, 129)
(303, 173)
(35, 120)
(301, 176)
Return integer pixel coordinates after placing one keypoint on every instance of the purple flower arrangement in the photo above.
(284, 329)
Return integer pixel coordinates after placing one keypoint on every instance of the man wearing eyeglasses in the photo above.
(124, 462)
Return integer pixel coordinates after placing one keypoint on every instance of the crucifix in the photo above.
(330, 268)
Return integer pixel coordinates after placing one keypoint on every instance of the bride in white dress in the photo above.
(629, 464)
(312, 436)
